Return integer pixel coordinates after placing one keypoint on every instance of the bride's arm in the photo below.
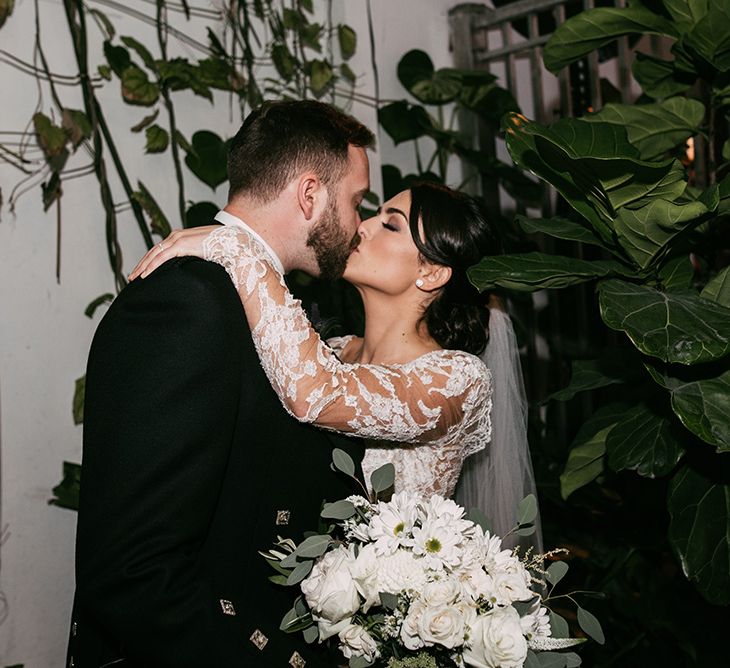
(420, 401)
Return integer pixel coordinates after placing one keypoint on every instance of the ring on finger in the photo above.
(161, 246)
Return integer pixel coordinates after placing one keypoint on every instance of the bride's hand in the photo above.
(179, 243)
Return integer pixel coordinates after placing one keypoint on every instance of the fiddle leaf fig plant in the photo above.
(661, 283)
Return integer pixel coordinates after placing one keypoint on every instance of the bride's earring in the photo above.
(419, 282)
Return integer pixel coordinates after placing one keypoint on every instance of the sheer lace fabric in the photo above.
(438, 404)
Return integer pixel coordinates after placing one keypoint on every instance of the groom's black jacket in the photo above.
(190, 467)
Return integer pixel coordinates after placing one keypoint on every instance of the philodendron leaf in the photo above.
(560, 228)
(646, 232)
(702, 405)
(137, 88)
(320, 76)
(78, 400)
(348, 41)
(527, 272)
(592, 29)
(403, 121)
(158, 221)
(699, 532)
(655, 128)
(645, 442)
(429, 86)
(207, 159)
(383, 478)
(681, 328)
(718, 289)
(657, 77)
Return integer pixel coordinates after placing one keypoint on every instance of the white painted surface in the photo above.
(44, 335)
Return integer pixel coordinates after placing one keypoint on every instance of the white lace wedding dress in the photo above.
(425, 416)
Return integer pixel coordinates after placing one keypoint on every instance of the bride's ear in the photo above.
(433, 277)
(311, 195)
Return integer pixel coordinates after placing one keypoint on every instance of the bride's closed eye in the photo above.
(389, 226)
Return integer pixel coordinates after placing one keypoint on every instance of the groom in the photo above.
(190, 463)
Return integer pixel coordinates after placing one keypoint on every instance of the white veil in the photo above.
(497, 478)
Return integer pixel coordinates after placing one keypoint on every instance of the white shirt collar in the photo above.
(229, 219)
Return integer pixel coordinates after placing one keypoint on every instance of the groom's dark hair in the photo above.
(280, 140)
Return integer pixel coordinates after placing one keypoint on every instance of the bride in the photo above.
(413, 385)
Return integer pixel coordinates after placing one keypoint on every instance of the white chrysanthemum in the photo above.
(536, 623)
(438, 544)
(357, 530)
(392, 523)
(401, 572)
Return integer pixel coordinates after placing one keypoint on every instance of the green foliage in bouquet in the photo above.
(652, 242)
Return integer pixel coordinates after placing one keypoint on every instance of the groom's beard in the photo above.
(331, 245)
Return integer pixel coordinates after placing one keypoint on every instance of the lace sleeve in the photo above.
(420, 401)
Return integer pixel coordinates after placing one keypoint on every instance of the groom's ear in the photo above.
(311, 195)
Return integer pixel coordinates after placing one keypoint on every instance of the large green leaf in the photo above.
(681, 328)
(654, 128)
(681, 13)
(585, 463)
(699, 532)
(347, 38)
(417, 74)
(208, 158)
(592, 29)
(645, 442)
(658, 78)
(403, 121)
(592, 165)
(645, 232)
(593, 374)
(703, 405)
(710, 37)
(527, 272)
(718, 289)
(560, 228)
(677, 274)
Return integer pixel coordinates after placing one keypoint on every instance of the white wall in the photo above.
(44, 336)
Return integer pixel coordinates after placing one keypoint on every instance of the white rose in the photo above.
(365, 575)
(506, 588)
(409, 634)
(443, 625)
(441, 592)
(496, 640)
(356, 641)
(330, 591)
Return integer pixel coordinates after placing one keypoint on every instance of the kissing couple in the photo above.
(213, 406)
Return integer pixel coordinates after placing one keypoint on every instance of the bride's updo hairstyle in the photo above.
(455, 234)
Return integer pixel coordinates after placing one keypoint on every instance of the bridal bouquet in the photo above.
(413, 582)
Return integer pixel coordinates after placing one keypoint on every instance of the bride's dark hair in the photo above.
(455, 234)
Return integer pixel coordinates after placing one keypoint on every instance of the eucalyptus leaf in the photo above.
(388, 601)
(339, 510)
(572, 660)
(527, 510)
(343, 462)
(681, 328)
(551, 660)
(531, 660)
(591, 625)
(526, 530)
(560, 228)
(300, 572)
(157, 138)
(279, 580)
(645, 442)
(526, 272)
(703, 405)
(359, 662)
(311, 634)
(718, 289)
(554, 574)
(590, 30)
(655, 128)
(313, 546)
(383, 478)
(558, 626)
(699, 532)
(585, 463)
